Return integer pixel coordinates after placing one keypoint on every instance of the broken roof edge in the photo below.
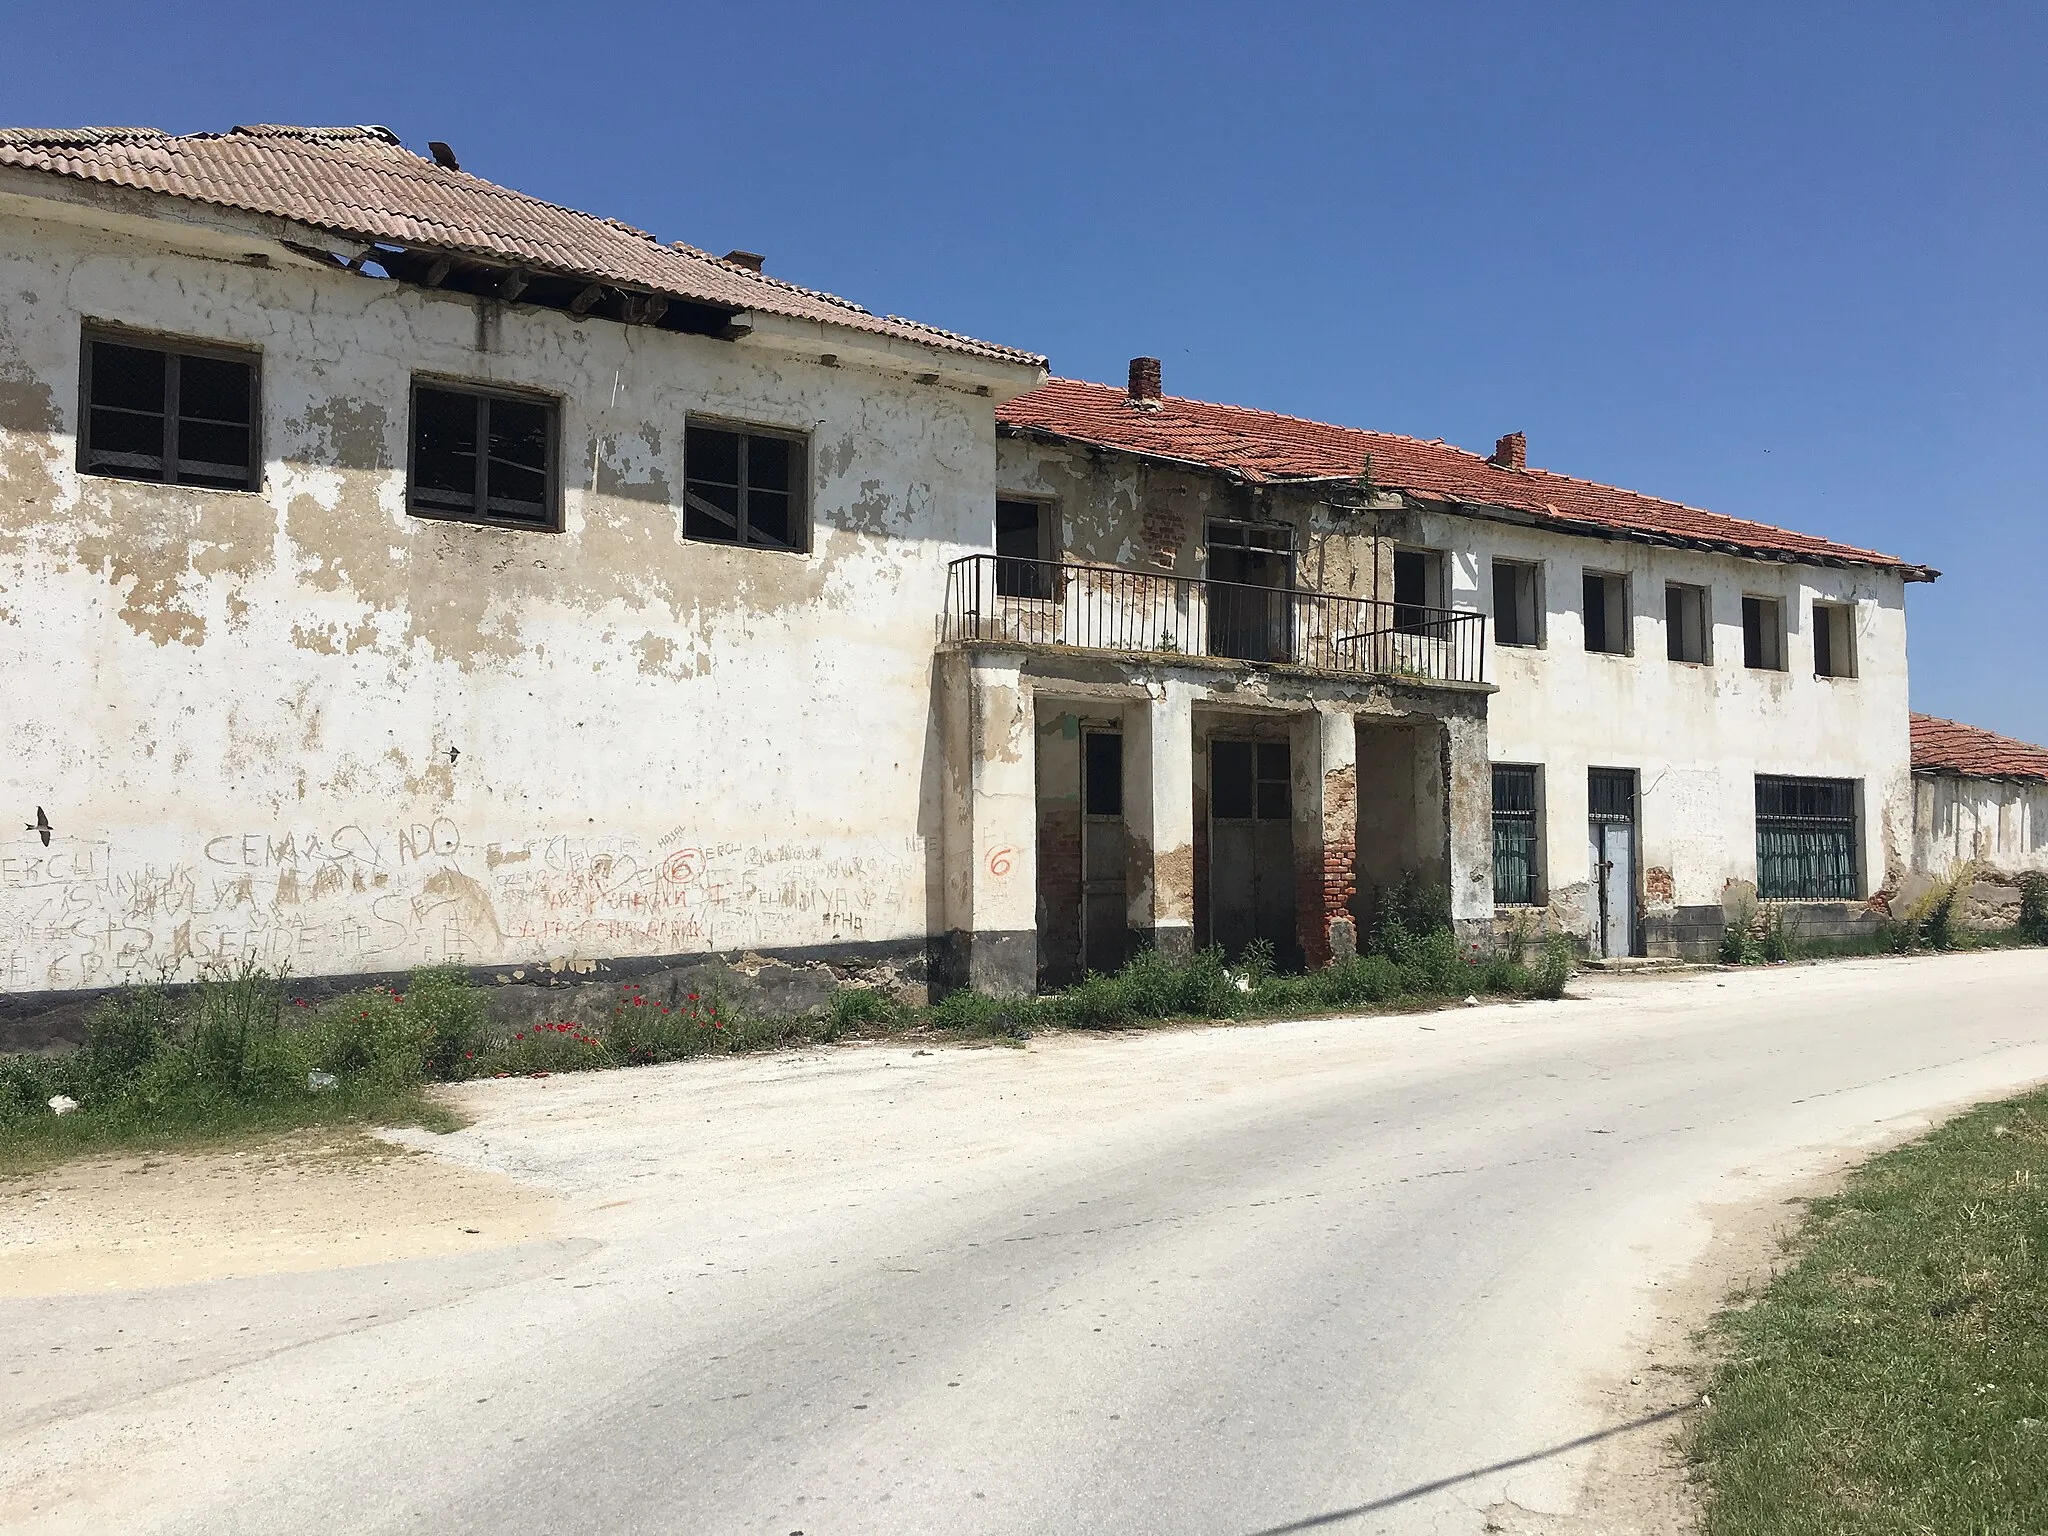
(71, 148)
(1037, 432)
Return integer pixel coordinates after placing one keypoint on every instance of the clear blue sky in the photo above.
(1784, 261)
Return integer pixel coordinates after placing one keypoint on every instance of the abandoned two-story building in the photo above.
(398, 569)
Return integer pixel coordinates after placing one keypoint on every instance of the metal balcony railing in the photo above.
(1107, 608)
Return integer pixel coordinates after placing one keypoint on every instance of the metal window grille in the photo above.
(482, 457)
(1805, 839)
(186, 416)
(1611, 794)
(1514, 836)
(744, 486)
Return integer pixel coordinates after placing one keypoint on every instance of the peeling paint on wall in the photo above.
(272, 700)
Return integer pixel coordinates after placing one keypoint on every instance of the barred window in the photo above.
(483, 456)
(1805, 839)
(1514, 836)
(745, 485)
(179, 413)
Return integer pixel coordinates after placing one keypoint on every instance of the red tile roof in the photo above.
(363, 184)
(1264, 447)
(1943, 746)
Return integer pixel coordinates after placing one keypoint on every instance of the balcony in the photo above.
(1143, 613)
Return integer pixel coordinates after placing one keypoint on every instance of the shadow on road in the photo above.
(1422, 1490)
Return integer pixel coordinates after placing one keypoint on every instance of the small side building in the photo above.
(1979, 799)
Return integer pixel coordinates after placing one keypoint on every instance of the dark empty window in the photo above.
(1250, 780)
(1834, 640)
(744, 487)
(1023, 544)
(1606, 610)
(486, 457)
(1514, 604)
(1763, 634)
(1805, 839)
(1102, 782)
(1686, 631)
(169, 414)
(1514, 836)
(1417, 588)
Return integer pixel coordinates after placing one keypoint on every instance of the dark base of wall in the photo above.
(1684, 933)
(1694, 933)
(764, 981)
(1002, 963)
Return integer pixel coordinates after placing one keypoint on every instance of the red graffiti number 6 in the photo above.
(999, 860)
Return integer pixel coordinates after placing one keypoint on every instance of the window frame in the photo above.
(1531, 820)
(1090, 798)
(1839, 645)
(1626, 605)
(1673, 632)
(1046, 580)
(1415, 618)
(1775, 635)
(445, 384)
(799, 440)
(1532, 572)
(172, 346)
(1847, 826)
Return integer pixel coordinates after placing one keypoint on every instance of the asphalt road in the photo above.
(1362, 1275)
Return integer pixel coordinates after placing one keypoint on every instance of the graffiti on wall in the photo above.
(354, 898)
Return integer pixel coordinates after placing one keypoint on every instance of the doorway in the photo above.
(1251, 616)
(1611, 829)
(1105, 907)
(1251, 847)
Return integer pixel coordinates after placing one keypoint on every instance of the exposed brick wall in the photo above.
(1160, 530)
(1324, 889)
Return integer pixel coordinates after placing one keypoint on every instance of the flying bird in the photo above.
(40, 826)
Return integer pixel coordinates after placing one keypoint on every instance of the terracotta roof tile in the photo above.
(1944, 746)
(1263, 446)
(362, 183)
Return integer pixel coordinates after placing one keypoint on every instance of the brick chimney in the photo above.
(1511, 452)
(1144, 386)
(751, 260)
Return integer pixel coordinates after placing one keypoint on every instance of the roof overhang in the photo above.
(1379, 497)
(1582, 528)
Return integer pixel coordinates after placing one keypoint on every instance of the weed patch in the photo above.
(236, 1053)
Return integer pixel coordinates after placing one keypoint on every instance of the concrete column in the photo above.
(1468, 809)
(1159, 818)
(1325, 751)
(991, 846)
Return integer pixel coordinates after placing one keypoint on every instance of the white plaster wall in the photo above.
(1695, 734)
(301, 725)
(2002, 823)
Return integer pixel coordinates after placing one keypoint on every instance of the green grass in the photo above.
(1895, 1378)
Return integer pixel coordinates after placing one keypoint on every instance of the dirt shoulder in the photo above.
(302, 1201)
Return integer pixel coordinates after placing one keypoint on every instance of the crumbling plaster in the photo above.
(1999, 824)
(1118, 509)
(300, 725)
